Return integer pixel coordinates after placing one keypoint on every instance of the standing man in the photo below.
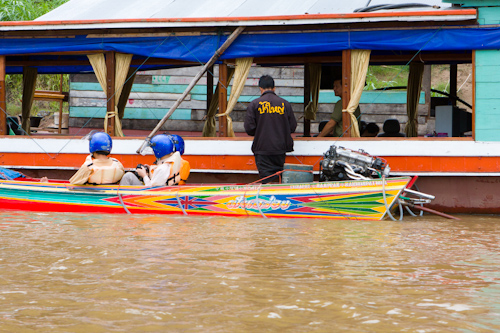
(334, 126)
(270, 120)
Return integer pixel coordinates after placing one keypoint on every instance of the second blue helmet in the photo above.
(162, 145)
(178, 143)
(100, 141)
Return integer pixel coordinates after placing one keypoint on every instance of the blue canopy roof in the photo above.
(200, 48)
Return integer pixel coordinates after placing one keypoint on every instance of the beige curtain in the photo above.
(412, 97)
(122, 66)
(315, 77)
(360, 60)
(29, 85)
(127, 88)
(240, 77)
(209, 129)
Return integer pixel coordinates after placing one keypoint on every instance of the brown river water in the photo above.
(118, 273)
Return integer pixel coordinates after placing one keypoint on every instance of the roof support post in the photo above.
(3, 97)
(223, 99)
(346, 91)
(210, 86)
(59, 126)
(453, 84)
(110, 91)
(307, 98)
(426, 87)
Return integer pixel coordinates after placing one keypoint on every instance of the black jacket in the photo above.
(271, 121)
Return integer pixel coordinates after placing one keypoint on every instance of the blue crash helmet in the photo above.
(178, 143)
(100, 141)
(162, 145)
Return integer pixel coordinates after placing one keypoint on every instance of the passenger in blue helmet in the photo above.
(101, 143)
(178, 143)
(162, 145)
(166, 170)
(185, 166)
(98, 167)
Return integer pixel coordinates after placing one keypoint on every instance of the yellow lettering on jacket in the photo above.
(265, 107)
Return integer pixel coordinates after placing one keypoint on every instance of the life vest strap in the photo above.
(172, 178)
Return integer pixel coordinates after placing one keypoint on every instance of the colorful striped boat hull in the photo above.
(357, 199)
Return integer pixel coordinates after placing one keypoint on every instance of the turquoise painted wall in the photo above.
(487, 66)
(198, 93)
(474, 3)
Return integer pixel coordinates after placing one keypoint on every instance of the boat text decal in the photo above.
(261, 203)
(339, 184)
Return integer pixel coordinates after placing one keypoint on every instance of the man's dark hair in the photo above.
(102, 152)
(266, 82)
(372, 128)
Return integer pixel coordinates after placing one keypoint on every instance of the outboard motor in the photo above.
(340, 163)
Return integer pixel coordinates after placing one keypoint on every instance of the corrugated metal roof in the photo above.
(141, 9)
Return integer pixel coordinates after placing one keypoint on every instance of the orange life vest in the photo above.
(175, 167)
(185, 171)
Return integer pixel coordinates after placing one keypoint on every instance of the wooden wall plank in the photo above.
(368, 97)
(256, 72)
(486, 134)
(487, 90)
(250, 93)
(170, 125)
(486, 120)
(489, 15)
(176, 89)
(142, 79)
(487, 73)
(155, 104)
(488, 106)
(133, 95)
(487, 58)
(130, 113)
(487, 100)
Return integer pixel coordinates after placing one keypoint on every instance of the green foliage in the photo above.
(442, 86)
(28, 10)
(379, 77)
(14, 87)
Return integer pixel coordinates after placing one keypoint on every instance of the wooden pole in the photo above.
(59, 130)
(212, 60)
(432, 211)
(110, 91)
(453, 84)
(223, 80)
(426, 87)
(307, 98)
(210, 86)
(3, 97)
(346, 91)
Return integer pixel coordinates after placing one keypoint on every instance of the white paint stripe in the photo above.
(378, 147)
(130, 25)
(428, 174)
